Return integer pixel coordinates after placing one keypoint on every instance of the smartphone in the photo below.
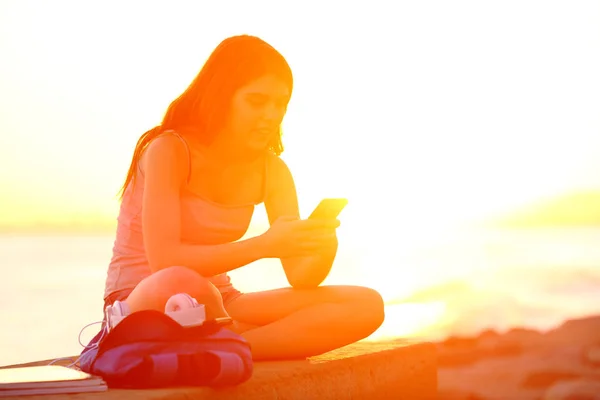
(329, 209)
(223, 321)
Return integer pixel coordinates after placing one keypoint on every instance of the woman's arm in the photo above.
(282, 200)
(165, 166)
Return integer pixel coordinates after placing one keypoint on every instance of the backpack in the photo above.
(148, 349)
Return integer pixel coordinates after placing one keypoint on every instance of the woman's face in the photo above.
(256, 113)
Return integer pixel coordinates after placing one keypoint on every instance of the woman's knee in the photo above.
(181, 279)
(370, 305)
(154, 291)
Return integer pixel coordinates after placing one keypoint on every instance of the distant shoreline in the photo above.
(110, 231)
(575, 210)
(57, 231)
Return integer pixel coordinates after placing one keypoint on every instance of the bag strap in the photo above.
(232, 368)
(165, 368)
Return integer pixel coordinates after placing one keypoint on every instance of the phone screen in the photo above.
(329, 208)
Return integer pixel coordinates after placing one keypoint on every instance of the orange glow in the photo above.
(421, 147)
(410, 321)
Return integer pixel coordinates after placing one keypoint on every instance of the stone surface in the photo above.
(522, 364)
(574, 390)
(398, 370)
(591, 355)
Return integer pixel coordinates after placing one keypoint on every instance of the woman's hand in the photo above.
(292, 237)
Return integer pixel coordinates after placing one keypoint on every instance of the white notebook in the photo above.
(47, 379)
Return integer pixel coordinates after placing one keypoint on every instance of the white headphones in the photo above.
(181, 306)
(116, 312)
(180, 301)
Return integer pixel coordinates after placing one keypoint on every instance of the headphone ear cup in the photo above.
(121, 308)
(193, 301)
(116, 312)
(180, 301)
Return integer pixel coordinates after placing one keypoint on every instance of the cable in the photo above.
(85, 347)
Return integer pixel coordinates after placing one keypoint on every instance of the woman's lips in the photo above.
(264, 132)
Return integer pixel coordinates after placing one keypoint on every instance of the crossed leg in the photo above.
(279, 324)
(297, 323)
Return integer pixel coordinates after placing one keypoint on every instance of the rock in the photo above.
(522, 337)
(456, 351)
(487, 334)
(523, 364)
(458, 358)
(574, 390)
(546, 378)
(460, 342)
(488, 339)
(583, 331)
(457, 395)
(591, 355)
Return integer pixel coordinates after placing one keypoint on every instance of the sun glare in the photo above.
(401, 144)
(410, 320)
(420, 133)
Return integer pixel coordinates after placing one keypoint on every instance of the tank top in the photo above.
(203, 222)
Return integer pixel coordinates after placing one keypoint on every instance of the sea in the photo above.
(459, 283)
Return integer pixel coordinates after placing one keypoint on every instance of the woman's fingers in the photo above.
(315, 224)
(318, 233)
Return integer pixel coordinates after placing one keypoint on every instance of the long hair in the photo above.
(203, 107)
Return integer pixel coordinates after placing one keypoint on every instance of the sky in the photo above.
(419, 112)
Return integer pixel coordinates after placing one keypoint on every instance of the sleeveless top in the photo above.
(203, 222)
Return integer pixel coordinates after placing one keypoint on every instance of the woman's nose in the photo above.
(271, 112)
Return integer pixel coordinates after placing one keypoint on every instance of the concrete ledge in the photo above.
(363, 370)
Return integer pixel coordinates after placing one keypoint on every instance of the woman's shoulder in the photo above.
(278, 172)
(168, 148)
(169, 141)
(276, 163)
(277, 167)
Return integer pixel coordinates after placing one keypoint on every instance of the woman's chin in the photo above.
(257, 145)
